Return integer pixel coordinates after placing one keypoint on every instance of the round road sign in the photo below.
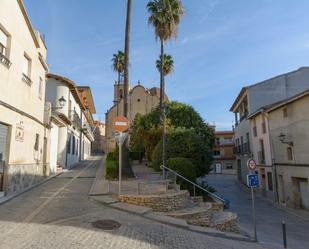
(121, 124)
(251, 164)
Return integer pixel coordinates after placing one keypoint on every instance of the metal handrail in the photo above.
(194, 184)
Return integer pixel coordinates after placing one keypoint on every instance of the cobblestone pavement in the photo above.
(58, 214)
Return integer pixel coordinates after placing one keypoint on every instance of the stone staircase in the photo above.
(179, 204)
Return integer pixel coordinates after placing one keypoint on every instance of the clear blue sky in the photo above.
(222, 45)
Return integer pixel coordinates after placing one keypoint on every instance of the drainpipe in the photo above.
(273, 164)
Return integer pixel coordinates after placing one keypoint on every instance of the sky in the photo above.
(222, 45)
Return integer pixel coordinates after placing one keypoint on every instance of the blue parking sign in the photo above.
(253, 180)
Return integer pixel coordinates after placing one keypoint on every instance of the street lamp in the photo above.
(282, 138)
(62, 102)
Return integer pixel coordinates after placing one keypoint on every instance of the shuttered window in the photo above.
(3, 141)
(3, 42)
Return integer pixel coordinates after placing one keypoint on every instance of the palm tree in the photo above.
(165, 16)
(125, 146)
(118, 66)
(168, 65)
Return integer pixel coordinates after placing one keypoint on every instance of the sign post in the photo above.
(253, 182)
(121, 124)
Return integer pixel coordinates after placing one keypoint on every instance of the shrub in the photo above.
(111, 167)
(184, 167)
(182, 142)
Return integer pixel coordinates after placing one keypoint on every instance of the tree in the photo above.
(168, 65)
(118, 66)
(164, 16)
(125, 149)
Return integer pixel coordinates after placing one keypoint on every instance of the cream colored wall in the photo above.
(296, 127)
(17, 93)
(13, 90)
(260, 135)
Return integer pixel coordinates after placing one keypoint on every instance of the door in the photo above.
(218, 168)
(304, 194)
(4, 131)
(53, 148)
(239, 169)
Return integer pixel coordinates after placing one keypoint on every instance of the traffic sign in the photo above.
(251, 164)
(253, 180)
(121, 124)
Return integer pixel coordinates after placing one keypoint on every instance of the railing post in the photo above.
(138, 189)
(175, 181)
(194, 190)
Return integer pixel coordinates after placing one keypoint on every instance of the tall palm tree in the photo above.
(164, 16)
(125, 146)
(168, 65)
(118, 66)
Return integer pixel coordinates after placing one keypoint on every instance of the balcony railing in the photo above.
(242, 149)
(26, 79)
(4, 60)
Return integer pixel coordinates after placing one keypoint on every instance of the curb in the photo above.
(9, 198)
(150, 215)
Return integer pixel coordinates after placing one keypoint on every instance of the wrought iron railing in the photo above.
(192, 183)
(4, 60)
(26, 79)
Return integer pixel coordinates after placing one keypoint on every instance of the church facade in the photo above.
(140, 100)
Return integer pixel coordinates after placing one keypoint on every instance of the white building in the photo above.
(24, 137)
(71, 110)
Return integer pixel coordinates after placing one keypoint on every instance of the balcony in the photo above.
(88, 131)
(243, 149)
(26, 79)
(4, 60)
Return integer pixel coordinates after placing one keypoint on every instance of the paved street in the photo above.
(269, 216)
(58, 214)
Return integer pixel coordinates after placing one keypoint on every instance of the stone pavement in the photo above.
(59, 214)
(269, 215)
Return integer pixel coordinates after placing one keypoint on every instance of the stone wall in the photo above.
(160, 203)
(23, 176)
(225, 221)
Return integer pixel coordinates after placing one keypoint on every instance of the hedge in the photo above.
(184, 167)
(182, 142)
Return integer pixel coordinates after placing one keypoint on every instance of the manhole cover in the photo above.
(106, 224)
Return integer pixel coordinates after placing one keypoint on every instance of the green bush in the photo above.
(184, 167)
(111, 167)
(182, 142)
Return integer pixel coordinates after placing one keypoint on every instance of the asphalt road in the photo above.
(269, 216)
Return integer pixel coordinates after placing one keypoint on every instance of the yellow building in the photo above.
(140, 100)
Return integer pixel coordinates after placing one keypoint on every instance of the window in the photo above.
(254, 131)
(289, 153)
(37, 141)
(285, 112)
(217, 141)
(73, 146)
(69, 145)
(27, 66)
(229, 166)
(40, 87)
(248, 142)
(3, 43)
(76, 146)
(270, 181)
(217, 153)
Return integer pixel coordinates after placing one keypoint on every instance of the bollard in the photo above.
(284, 234)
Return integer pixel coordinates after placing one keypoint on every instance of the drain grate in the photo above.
(106, 224)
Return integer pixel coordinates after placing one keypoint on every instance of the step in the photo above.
(200, 216)
(225, 221)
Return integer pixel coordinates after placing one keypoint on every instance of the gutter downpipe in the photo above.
(273, 164)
